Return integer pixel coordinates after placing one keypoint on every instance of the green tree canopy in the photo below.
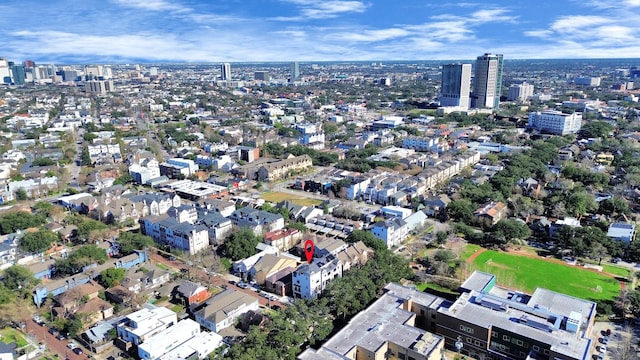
(18, 279)
(130, 242)
(511, 230)
(111, 277)
(37, 242)
(241, 244)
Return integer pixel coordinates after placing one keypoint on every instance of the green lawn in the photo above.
(469, 250)
(623, 272)
(276, 197)
(424, 286)
(10, 335)
(525, 273)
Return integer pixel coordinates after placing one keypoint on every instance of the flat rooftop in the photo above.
(384, 321)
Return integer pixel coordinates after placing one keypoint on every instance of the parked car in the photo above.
(61, 337)
(72, 345)
(53, 331)
(77, 350)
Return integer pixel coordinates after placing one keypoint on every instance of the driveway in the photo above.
(41, 334)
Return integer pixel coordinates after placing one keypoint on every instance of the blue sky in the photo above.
(85, 31)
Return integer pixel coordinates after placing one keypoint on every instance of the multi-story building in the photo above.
(283, 168)
(258, 220)
(312, 135)
(225, 70)
(555, 122)
(155, 203)
(295, 71)
(144, 171)
(309, 280)
(487, 84)
(419, 143)
(393, 327)
(141, 325)
(168, 231)
(261, 76)
(100, 87)
(456, 85)
(520, 92)
(392, 231)
(499, 323)
(248, 154)
(587, 81)
(169, 339)
(222, 310)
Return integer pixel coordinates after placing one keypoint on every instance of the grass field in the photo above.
(276, 197)
(469, 250)
(10, 335)
(433, 286)
(525, 273)
(616, 270)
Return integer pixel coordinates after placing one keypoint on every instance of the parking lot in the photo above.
(614, 341)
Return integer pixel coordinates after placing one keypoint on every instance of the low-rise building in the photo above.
(491, 213)
(166, 230)
(143, 324)
(392, 231)
(391, 328)
(162, 343)
(222, 310)
(624, 232)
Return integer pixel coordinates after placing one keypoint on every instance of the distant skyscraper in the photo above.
(261, 76)
(29, 64)
(225, 69)
(487, 84)
(18, 74)
(295, 71)
(456, 85)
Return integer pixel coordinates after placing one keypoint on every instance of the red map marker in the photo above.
(308, 250)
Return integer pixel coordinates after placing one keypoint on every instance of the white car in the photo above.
(603, 349)
(72, 345)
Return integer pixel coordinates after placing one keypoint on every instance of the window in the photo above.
(466, 329)
(536, 348)
(506, 338)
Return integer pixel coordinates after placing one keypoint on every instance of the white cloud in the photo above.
(153, 5)
(492, 15)
(372, 35)
(323, 9)
(578, 22)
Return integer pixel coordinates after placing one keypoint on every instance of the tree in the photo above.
(241, 244)
(111, 277)
(441, 237)
(367, 238)
(85, 157)
(21, 194)
(19, 220)
(511, 230)
(19, 279)
(130, 242)
(461, 210)
(615, 205)
(596, 129)
(123, 180)
(43, 207)
(37, 242)
(579, 203)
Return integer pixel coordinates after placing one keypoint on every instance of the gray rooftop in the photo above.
(384, 321)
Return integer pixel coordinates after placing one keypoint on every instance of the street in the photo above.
(41, 334)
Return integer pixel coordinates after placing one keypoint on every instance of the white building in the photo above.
(184, 163)
(520, 92)
(200, 345)
(312, 135)
(555, 122)
(142, 172)
(169, 339)
(309, 280)
(141, 325)
(420, 143)
(392, 231)
(166, 230)
(222, 310)
(456, 85)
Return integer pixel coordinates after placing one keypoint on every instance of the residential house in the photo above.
(96, 310)
(436, 205)
(356, 254)
(258, 220)
(222, 207)
(154, 204)
(219, 227)
(189, 293)
(309, 280)
(490, 213)
(268, 265)
(139, 326)
(222, 310)
(624, 232)
(555, 227)
(243, 266)
(119, 295)
(283, 239)
(392, 231)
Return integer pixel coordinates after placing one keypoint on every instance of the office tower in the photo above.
(93, 72)
(456, 85)
(520, 92)
(225, 69)
(261, 76)
(488, 81)
(295, 71)
(18, 75)
(5, 72)
(555, 122)
(98, 86)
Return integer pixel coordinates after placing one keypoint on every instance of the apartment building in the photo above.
(309, 280)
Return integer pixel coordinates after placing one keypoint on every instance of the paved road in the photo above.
(215, 280)
(41, 334)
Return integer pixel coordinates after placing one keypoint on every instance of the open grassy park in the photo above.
(527, 273)
(276, 197)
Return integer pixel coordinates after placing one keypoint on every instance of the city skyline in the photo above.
(120, 31)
